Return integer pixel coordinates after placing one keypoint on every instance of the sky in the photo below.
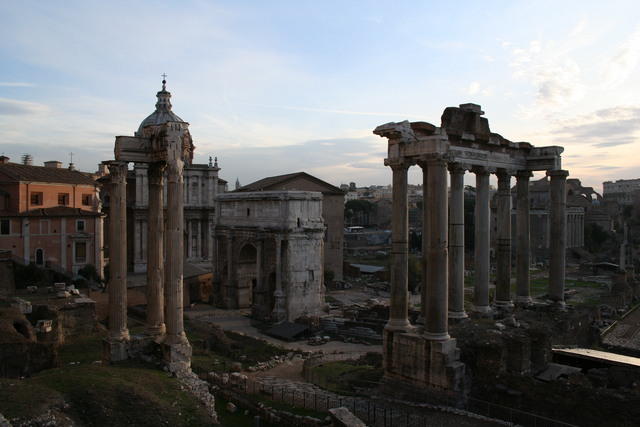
(284, 86)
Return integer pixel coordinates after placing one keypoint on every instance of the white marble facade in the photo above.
(201, 185)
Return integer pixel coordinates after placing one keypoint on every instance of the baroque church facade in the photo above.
(201, 186)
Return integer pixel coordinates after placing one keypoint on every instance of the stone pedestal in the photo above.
(424, 362)
(177, 356)
(114, 350)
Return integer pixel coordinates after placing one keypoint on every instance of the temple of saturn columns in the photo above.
(427, 355)
(164, 143)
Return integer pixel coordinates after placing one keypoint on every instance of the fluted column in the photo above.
(503, 270)
(155, 261)
(436, 322)
(399, 304)
(175, 253)
(118, 253)
(456, 243)
(523, 249)
(558, 244)
(482, 242)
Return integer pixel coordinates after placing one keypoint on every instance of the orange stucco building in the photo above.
(50, 216)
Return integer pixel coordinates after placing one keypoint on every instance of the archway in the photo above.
(247, 275)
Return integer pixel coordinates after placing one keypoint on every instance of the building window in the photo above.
(39, 257)
(63, 199)
(44, 226)
(81, 252)
(80, 225)
(87, 199)
(36, 198)
(5, 226)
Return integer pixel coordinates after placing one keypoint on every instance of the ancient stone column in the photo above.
(558, 243)
(426, 217)
(436, 326)
(175, 254)
(117, 287)
(456, 243)
(482, 242)
(155, 251)
(399, 304)
(503, 270)
(523, 231)
(279, 312)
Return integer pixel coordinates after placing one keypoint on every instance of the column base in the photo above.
(484, 309)
(114, 350)
(398, 325)
(440, 336)
(560, 305)
(524, 300)
(457, 315)
(156, 330)
(508, 304)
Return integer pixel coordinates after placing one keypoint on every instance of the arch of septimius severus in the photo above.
(428, 356)
(164, 143)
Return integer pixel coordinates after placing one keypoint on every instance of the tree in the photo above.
(357, 212)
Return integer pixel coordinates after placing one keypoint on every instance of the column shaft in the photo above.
(436, 326)
(155, 262)
(118, 253)
(503, 270)
(523, 248)
(482, 242)
(175, 253)
(558, 244)
(425, 238)
(399, 304)
(456, 243)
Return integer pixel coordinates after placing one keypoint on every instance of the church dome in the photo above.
(163, 113)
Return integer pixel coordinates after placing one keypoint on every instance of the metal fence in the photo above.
(389, 413)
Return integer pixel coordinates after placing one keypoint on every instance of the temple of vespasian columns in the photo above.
(163, 142)
(428, 356)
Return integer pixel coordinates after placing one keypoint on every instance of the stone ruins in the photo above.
(163, 142)
(269, 253)
(428, 356)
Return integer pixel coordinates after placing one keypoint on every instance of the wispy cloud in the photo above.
(622, 63)
(14, 107)
(336, 111)
(16, 84)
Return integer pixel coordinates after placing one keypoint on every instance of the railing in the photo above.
(388, 412)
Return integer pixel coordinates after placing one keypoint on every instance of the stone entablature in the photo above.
(269, 253)
(462, 142)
